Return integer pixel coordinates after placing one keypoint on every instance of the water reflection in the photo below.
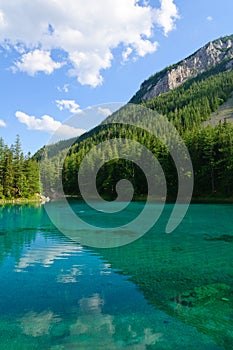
(70, 298)
(70, 275)
(18, 228)
(38, 324)
(103, 328)
(92, 329)
(46, 254)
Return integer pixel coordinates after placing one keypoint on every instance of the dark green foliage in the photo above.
(225, 38)
(50, 172)
(53, 149)
(154, 79)
(211, 152)
(19, 175)
(193, 102)
(187, 107)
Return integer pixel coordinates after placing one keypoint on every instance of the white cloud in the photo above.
(209, 18)
(126, 54)
(48, 124)
(87, 66)
(2, 20)
(37, 61)
(71, 105)
(67, 132)
(144, 47)
(104, 111)
(167, 15)
(84, 33)
(64, 88)
(2, 123)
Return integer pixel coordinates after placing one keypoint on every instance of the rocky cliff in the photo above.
(214, 53)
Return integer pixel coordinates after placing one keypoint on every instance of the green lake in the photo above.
(163, 291)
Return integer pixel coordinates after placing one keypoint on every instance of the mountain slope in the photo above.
(212, 54)
(53, 149)
(192, 103)
(224, 113)
(187, 107)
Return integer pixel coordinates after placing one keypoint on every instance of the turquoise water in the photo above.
(160, 292)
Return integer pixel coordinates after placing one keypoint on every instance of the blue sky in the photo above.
(61, 57)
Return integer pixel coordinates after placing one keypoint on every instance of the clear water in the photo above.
(56, 294)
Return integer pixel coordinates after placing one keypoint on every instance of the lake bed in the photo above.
(163, 291)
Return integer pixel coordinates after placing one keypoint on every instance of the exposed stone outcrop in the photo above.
(208, 56)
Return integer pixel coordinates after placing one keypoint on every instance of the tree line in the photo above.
(210, 148)
(189, 105)
(19, 174)
(211, 151)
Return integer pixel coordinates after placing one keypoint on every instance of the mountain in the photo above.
(217, 52)
(195, 106)
(53, 149)
(225, 112)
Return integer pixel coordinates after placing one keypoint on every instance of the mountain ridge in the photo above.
(219, 51)
(187, 107)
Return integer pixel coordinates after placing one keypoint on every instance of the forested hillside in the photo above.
(216, 55)
(193, 102)
(19, 174)
(187, 107)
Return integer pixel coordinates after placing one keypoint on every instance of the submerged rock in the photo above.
(225, 238)
(203, 294)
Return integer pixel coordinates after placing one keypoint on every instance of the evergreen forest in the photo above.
(186, 107)
(19, 174)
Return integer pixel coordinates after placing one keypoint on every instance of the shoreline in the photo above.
(38, 199)
(143, 198)
(139, 198)
(19, 201)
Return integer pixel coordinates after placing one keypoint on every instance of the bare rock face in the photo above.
(208, 56)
